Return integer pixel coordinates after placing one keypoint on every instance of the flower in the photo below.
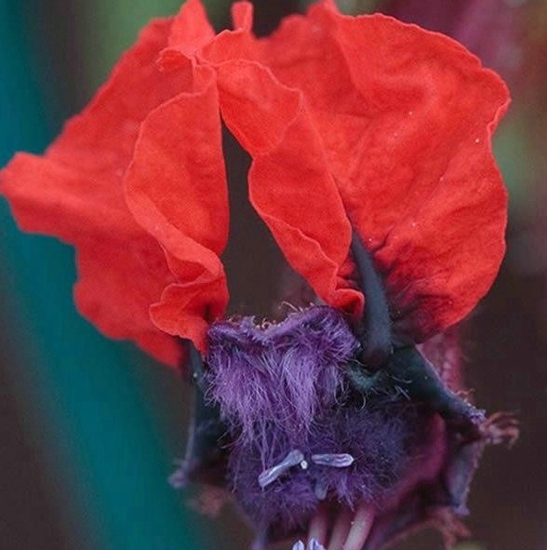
(372, 167)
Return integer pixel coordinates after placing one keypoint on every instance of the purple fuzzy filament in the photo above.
(281, 374)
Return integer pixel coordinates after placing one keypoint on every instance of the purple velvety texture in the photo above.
(277, 396)
(283, 387)
(278, 373)
(385, 444)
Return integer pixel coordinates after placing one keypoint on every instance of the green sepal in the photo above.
(205, 457)
(407, 374)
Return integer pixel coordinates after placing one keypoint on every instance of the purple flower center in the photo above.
(300, 432)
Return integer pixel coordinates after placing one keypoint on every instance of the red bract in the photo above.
(362, 122)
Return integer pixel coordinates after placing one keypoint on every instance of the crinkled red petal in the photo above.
(75, 193)
(290, 183)
(182, 307)
(113, 252)
(406, 118)
(191, 29)
(361, 119)
(176, 190)
(242, 15)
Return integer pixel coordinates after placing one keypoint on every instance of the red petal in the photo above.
(180, 311)
(111, 290)
(57, 198)
(190, 32)
(406, 118)
(242, 15)
(176, 189)
(191, 29)
(75, 192)
(290, 185)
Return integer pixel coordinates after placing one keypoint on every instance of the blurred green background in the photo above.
(91, 427)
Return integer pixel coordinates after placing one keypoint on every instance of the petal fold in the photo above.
(289, 182)
(176, 190)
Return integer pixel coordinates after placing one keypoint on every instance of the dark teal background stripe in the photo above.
(103, 417)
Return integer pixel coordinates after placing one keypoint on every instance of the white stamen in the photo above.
(319, 525)
(360, 528)
(271, 474)
(320, 490)
(340, 529)
(341, 460)
(315, 545)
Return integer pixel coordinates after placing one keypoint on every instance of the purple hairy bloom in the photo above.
(312, 444)
(386, 446)
(279, 374)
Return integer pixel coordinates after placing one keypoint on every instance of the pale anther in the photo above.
(271, 474)
(341, 460)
